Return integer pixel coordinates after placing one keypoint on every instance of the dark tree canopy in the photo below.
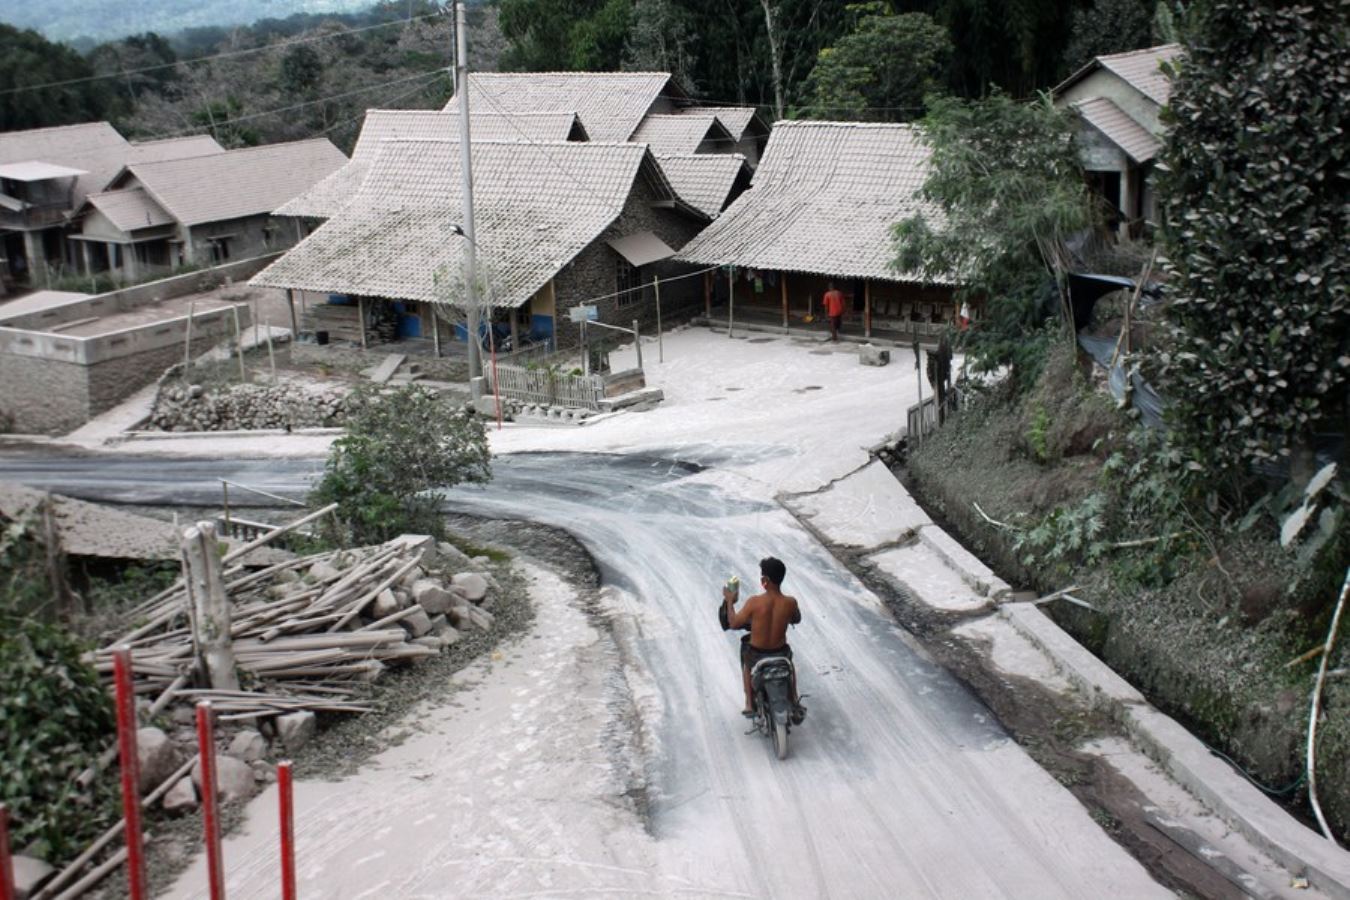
(1255, 219)
(28, 59)
(1109, 26)
(881, 69)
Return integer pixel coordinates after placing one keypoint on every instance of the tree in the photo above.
(1253, 197)
(28, 60)
(399, 446)
(301, 70)
(660, 40)
(558, 35)
(1006, 191)
(1108, 26)
(126, 60)
(882, 69)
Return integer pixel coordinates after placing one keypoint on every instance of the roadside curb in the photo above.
(1186, 759)
(980, 577)
(197, 435)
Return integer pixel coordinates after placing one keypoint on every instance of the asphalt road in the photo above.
(900, 783)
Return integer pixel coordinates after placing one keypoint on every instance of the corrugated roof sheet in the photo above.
(704, 180)
(130, 209)
(326, 198)
(33, 170)
(736, 119)
(237, 183)
(536, 206)
(609, 104)
(1119, 128)
(677, 134)
(823, 201)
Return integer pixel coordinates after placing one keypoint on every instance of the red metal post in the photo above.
(131, 776)
(206, 748)
(287, 830)
(6, 863)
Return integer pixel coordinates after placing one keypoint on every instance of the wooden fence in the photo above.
(922, 419)
(548, 386)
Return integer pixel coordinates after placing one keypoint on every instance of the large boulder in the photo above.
(234, 779)
(417, 623)
(247, 746)
(423, 545)
(432, 596)
(452, 556)
(385, 604)
(295, 729)
(873, 356)
(181, 798)
(158, 757)
(323, 570)
(471, 585)
(29, 874)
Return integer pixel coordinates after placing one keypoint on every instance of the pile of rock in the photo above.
(559, 414)
(246, 407)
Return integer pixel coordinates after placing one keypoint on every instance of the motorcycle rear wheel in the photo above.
(780, 740)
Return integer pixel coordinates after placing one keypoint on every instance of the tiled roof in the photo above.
(1138, 68)
(704, 180)
(678, 134)
(1119, 128)
(236, 183)
(609, 104)
(95, 148)
(130, 209)
(536, 206)
(823, 200)
(330, 195)
(736, 119)
(172, 148)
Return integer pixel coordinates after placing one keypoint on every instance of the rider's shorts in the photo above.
(751, 655)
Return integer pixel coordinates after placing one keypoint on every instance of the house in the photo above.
(559, 224)
(201, 210)
(46, 174)
(331, 194)
(1118, 99)
(820, 209)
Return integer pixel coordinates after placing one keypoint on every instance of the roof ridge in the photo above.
(831, 123)
(567, 74)
(1140, 52)
(49, 128)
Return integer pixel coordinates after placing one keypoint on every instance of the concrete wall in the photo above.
(249, 237)
(42, 396)
(594, 272)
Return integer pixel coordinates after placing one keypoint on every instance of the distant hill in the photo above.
(101, 20)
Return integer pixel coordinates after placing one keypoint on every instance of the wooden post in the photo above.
(731, 299)
(271, 356)
(637, 343)
(361, 318)
(660, 349)
(239, 342)
(187, 339)
(867, 308)
(56, 575)
(213, 607)
(514, 318)
(783, 281)
(435, 329)
(707, 294)
(295, 324)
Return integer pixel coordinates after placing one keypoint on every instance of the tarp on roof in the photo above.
(34, 170)
(641, 248)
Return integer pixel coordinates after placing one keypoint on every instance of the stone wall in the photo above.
(594, 272)
(42, 396)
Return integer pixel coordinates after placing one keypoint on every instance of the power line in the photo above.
(228, 54)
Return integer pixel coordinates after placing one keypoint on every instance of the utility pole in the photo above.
(466, 171)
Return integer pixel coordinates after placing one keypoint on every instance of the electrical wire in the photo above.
(227, 54)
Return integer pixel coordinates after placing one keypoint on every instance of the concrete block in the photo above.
(869, 355)
(295, 729)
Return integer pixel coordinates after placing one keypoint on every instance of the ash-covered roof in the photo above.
(130, 209)
(1141, 69)
(609, 104)
(679, 134)
(705, 180)
(823, 200)
(330, 195)
(536, 206)
(736, 119)
(236, 183)
(1127, 134)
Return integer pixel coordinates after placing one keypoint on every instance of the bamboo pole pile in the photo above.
(304, 633)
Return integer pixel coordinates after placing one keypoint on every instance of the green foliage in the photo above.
(1068, 536)
(400, 447)
(1007, 185)
(661, 38)
(55, 717)
(562, 35)
(219, 117)
(26, 58)
(882, 69)
(125, 59)
(1037, 436)
(1109, 26)
(301, 70)
(1253, 195)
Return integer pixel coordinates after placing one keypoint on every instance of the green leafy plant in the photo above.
(1069, 534)
(1038, 435)
(399, 448)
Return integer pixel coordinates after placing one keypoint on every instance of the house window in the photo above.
(630, 284)
(220, 249)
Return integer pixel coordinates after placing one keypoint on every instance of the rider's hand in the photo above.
(728, 595)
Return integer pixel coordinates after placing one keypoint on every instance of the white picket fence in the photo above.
(554, 388)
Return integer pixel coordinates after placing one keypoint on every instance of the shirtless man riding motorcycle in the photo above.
(768, 615)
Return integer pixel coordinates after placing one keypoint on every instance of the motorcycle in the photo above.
(771, 686)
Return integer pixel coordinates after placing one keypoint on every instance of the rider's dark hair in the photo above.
(773, 569)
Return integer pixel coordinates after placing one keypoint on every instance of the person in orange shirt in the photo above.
(834, 308)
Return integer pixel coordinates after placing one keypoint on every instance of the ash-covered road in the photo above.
(900, 784)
